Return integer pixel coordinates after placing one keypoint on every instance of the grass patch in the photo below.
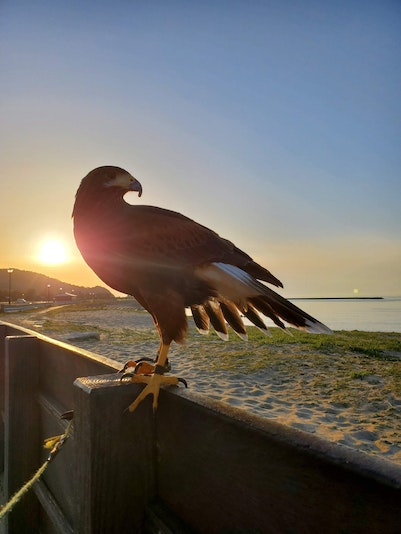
(384, 345)
(359, 375)
(124, 336)
(78, 307)
(62, 327)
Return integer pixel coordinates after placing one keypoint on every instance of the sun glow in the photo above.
(52, 252)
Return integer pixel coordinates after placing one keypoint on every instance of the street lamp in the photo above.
(10, 272)
(48, 292)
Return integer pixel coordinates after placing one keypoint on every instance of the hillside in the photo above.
(35, 286)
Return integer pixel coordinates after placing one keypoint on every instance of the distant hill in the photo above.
(34, 286)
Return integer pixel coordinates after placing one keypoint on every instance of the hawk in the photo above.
(169, 262)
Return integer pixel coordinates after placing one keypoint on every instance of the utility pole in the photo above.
(10, 272)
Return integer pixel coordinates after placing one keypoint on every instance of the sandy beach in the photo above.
(346, 396)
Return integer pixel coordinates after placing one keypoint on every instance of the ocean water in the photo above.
(370, 315)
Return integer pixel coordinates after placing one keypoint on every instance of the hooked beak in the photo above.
(136, 186)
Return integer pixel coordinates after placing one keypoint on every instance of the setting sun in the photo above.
(52, 252)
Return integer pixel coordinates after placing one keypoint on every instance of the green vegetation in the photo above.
(261, 351)
(375, 344)
(79, 307)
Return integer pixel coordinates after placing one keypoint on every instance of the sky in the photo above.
(275, 123)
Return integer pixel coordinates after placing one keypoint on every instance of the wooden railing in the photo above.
(195, 466)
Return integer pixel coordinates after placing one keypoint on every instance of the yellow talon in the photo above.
(153, 383)
(154, 379)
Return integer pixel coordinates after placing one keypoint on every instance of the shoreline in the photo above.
(336, 298)
(345, 388)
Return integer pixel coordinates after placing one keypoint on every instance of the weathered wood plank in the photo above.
(115, 456)
(59, 478)
(160, 520)
(3, 331)
(223, 472)
(21, 429)
(56, 519)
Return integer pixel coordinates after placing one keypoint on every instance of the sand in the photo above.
(314, 393)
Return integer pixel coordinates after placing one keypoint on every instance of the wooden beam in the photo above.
(57, 520)
(21, 454)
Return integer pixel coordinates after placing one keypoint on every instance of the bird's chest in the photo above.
(101, 232)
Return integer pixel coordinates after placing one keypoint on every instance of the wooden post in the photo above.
(3, 331)
(115, 456)
(22, 454)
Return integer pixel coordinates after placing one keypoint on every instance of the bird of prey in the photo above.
(169, 262)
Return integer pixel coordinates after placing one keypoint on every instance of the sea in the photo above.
(366, 314)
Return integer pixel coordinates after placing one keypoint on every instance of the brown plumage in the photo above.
(169, 262)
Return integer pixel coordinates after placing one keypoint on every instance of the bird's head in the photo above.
(106, 182)
(116, 177)
(111, 178)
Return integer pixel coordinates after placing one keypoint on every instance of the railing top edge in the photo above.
(76, 350)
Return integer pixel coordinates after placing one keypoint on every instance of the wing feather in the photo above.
(170, 238)
(252, 315)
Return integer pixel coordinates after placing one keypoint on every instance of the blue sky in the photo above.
(275, 123)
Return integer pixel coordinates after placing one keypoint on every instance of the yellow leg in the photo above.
(153, 381)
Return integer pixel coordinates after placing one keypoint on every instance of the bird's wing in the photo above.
(168, 237)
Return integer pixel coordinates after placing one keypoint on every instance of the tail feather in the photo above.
(201, 319)
(216, 316)
(233, 318)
